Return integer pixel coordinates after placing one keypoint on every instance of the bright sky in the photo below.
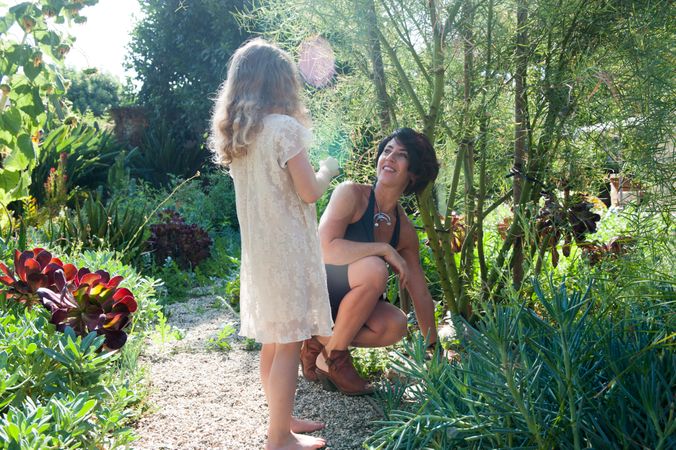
(102, 40)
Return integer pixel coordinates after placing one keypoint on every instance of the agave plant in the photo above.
(33, 269)
(91, 301)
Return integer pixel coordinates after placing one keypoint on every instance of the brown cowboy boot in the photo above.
(342, 375)
(308, 357)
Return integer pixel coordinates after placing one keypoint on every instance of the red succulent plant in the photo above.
(91, 301)
(33, 269)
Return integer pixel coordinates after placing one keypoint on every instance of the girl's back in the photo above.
(288, 298)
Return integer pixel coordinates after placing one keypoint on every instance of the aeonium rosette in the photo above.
(33, 269)
(91, 301)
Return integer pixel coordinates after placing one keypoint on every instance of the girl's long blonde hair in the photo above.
(262, 79)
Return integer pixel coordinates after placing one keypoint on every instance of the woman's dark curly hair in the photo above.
(422, 161)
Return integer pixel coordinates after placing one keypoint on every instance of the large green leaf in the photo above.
(5, 136)
(47, 37)
(20, 9)
(10, 120)
(13, 185)
(22, 156)
(31, 70)
(30, 102)
(5, 22)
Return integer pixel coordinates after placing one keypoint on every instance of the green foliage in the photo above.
(93, 92)
(232, 290)
(59, 390)
(30, 87)
(176, 282)
(207, 201)
(179, 52)
(164, 332)
(88, 151)
(63, 377)
(574, 377)
(67, 424)
(251, 345)
(370, 362)
(162, 155)
(94, 225)
(222, 341)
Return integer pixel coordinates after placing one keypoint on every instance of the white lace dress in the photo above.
(283, 293)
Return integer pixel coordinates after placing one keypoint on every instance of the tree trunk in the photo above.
(520, 135)
(378, 71)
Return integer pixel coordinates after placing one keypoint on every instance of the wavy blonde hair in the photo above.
(262, 79)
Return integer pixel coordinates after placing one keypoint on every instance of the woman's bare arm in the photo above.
(417, 283)
(346, 202)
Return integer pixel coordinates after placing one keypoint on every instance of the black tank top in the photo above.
(362, 230)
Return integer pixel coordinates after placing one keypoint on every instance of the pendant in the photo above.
(381, 217)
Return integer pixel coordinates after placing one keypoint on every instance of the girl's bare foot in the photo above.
(305, 426)
(297, 442)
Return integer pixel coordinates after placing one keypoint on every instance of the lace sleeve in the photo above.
(291, 138)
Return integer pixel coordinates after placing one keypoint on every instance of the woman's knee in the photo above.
(398, 326)
(370, 272)
(389, 323)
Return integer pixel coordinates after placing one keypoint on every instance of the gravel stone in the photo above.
(201, 398)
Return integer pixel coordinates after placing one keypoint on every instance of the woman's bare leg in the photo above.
(368, 279)
(280, 395)
(362, 319)
(387, 325)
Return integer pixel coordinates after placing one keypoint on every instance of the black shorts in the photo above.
(339, 285)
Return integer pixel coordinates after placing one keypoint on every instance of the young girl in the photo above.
(257, 131)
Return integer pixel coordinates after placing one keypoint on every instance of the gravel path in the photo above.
(201, 398)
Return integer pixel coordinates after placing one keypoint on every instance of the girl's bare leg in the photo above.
(280, 389)
(297, 425)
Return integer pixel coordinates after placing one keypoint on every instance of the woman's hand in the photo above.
(398, 264)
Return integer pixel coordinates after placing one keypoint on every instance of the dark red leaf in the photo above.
(91, 279)
(115, 339)
(69, 271)
(43, 257)
(115, 281)
(36, 281)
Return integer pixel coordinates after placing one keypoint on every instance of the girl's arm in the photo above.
(310, 185)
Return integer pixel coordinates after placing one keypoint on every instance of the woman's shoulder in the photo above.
(348, 201)
(352, 189)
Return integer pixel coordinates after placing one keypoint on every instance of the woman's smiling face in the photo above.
(393, 163)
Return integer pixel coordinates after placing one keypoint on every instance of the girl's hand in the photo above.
(329, 166)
